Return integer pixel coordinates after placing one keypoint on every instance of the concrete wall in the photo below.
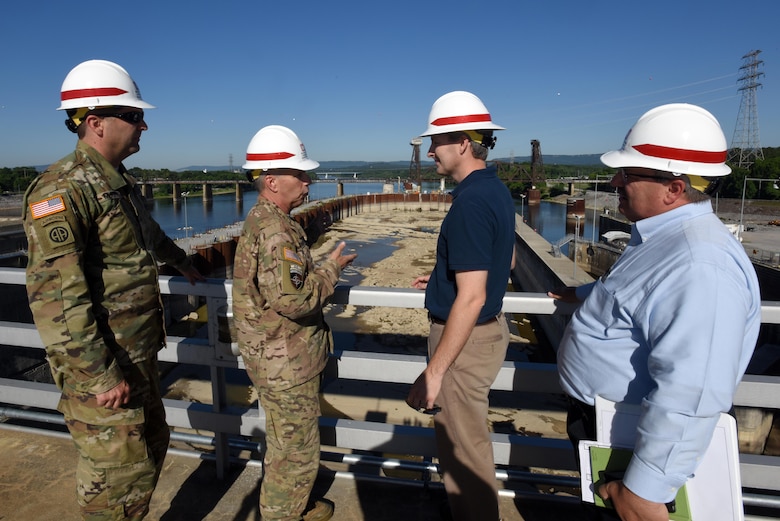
(538, 271)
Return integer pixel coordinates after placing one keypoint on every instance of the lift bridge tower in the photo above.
(746, 144)
(414, 164)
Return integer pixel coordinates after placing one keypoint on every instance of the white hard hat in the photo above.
(677, 138)
(100, 83)
(276, 146)
(456, 111)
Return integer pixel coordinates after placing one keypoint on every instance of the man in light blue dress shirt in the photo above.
(673, 324)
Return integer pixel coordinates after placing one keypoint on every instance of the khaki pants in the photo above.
(462, 434)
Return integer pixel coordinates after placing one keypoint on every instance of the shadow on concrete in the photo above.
(202, 491)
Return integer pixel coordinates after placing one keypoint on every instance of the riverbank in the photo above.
(393, 248)
(399, 246)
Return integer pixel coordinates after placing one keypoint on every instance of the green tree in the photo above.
(767, 168)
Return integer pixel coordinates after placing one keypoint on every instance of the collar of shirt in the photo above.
(644, 230)
(474, 177)
(115, 178)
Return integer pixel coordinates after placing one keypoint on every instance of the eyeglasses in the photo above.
(133, 117)
(300, 175)
(625, 176)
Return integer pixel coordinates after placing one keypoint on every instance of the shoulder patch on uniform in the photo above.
(54, 236)
(291, 255)
(48, 206)
(297, 276)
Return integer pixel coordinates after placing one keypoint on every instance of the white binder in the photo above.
(715, 490)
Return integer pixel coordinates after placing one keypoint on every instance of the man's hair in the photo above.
(478, 150)
(693, 195)
(259, 182)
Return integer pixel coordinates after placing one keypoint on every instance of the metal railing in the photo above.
(231, 424)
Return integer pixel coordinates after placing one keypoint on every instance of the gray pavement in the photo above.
(38, 472)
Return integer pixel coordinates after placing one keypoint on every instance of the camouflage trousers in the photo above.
(121, 452)
(292, 456)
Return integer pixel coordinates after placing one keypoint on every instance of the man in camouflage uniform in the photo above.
(93, 290)
(278, 297)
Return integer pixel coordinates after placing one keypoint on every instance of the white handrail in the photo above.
(754, 391)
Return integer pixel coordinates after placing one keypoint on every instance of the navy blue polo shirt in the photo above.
(477, 234)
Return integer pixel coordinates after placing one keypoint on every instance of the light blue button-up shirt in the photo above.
(671, 326)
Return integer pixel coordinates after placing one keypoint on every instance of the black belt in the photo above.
(435, 320)
(441, 322)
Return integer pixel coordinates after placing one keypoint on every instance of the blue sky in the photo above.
(356, 79)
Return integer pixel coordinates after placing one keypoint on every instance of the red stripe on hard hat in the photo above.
(681, 154)
(90, 93)
(455, 120)
(268, 157)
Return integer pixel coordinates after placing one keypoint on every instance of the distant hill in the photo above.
(325, 166)
(575, 160)
(336, 166)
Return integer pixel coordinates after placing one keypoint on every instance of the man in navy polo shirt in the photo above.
(464, 294)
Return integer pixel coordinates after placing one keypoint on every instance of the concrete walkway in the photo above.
(38, 471)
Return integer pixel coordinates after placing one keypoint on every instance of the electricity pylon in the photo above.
(746, 144)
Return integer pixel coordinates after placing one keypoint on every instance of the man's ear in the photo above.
(94, 123)
(465, 145)
(675, 190)
(270, 183)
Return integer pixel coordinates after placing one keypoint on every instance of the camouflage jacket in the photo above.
(92, 271)
(278, 296)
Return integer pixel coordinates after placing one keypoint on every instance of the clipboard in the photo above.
(608, 460)
(714, 491)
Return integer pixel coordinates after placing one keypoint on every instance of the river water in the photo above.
(193, 217)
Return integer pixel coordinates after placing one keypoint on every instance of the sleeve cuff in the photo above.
(101, 383)
(332, 268)
(649, 484)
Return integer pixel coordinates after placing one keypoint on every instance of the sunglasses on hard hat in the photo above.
(133, 117)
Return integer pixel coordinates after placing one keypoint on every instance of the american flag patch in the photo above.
(292, 256)
(47, 207)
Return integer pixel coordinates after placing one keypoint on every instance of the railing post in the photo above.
(218, 386)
